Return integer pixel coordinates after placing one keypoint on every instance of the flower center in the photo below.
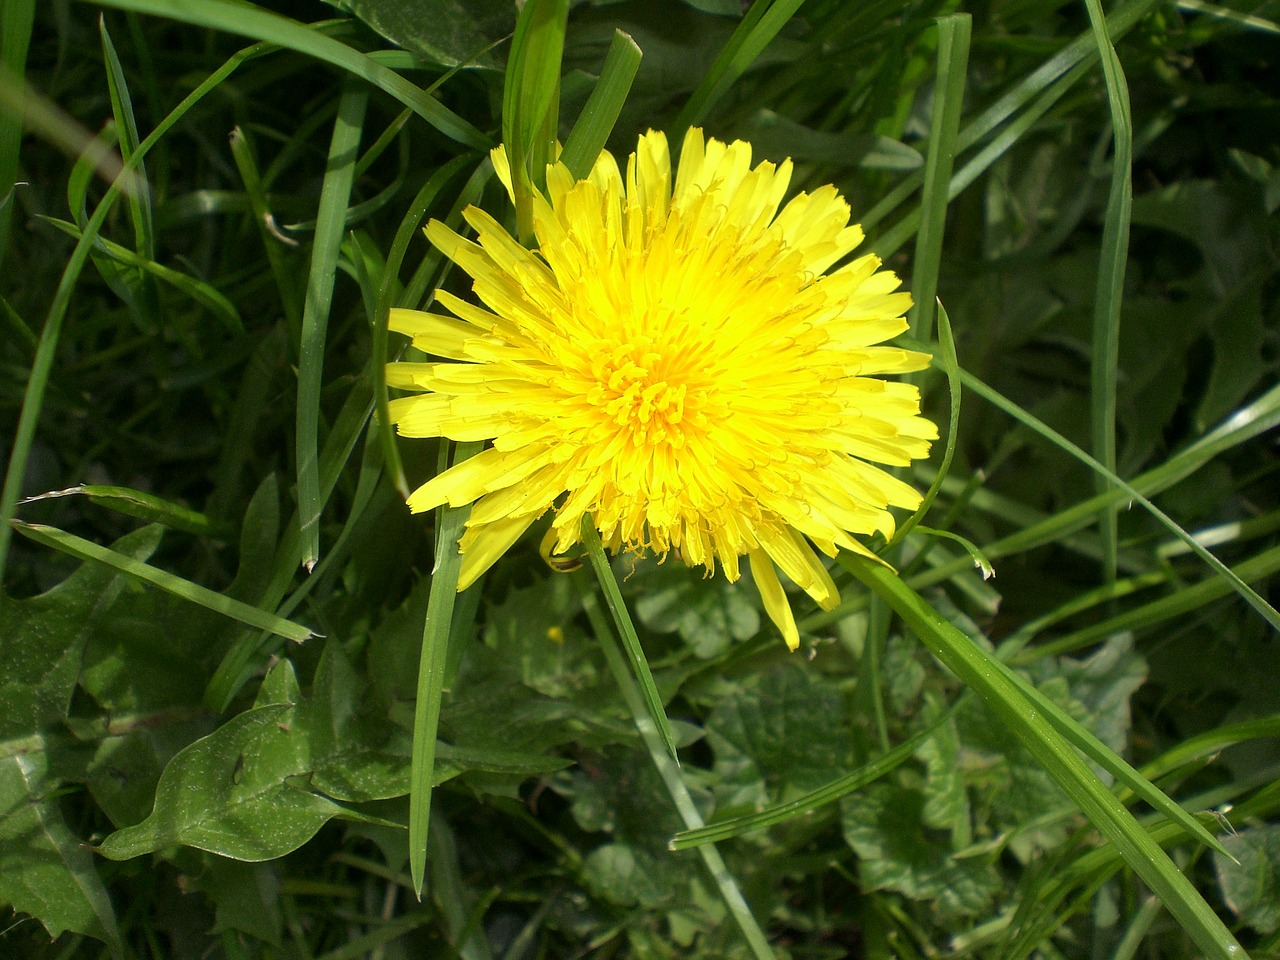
(638, 388)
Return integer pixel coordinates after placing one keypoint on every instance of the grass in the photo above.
(1076, 758)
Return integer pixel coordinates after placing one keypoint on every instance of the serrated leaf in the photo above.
(45, 870)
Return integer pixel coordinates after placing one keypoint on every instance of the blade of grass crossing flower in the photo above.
(87, 550)
(1250, 596)
(431, 668)
(987, 677)
(865, 775)
(761, 24)
(946, 356)
(244, 20)
(388, 295)
(630, 641)
(592, 129)
(335, 194)
(16, 19)
(948, 101)
(1110, 289)
(668, 769)
(531, 102)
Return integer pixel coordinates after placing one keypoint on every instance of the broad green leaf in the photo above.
(245, 897)
(709, 615)
(533, 628)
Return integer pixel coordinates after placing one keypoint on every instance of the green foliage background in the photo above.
(181, 777)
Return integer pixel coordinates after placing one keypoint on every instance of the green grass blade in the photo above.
(335, 194)
(592, 129)
(50, 333)
(865, 775)
(272, 242)
(219, 307)
(16, 19)
(435, 649)
(144, 506)
(1250, 596)
(950, 364)
(139, 201)
(760, 25)
(987, 677)
(658, 747)
(1247, 20)
(235, 609)
(630, 641)
(531, 102)
(246, 20)
(948, 100)
(389, 295)
(1110, 289)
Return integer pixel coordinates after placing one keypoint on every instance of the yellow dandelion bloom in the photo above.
(675, 360)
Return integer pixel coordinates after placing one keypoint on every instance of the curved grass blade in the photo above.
(631, 642)
(866, 774)
(592, 129)
(246, 20)
(1110, 290)
(235, 609)
(990, 679)
(144, 506)
(662, 756)
(330, 220)
(16, 20)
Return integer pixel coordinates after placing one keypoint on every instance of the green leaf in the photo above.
(709, 615)
(45, 870)
(1251, 887)
(245, 897)
(884, 825)
(775, 137)
(42, 640)
(531, 628)
(449, 33)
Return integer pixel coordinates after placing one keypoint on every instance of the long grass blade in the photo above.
(948, 99)
(658, 747)
(245, 20)
(16, 19)
(592, 129)
(987, 677)
(335, 195)
(87, 550)
(431, 669)
(1110, 288)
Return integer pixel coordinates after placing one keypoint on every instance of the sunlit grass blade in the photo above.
(531, 102)
(760, 25)
(249, 21)
(866, 774)
(662, 756)
(948, 100)
(335, 194)
(1248, 20)
(1211, 743)
(1110, 288)
(389, 294)
(627, 630)
(87, 550)
(436, 630)
(592, 128)
(16, 19)
(987, 677)
(144, 506)
(1250, 596)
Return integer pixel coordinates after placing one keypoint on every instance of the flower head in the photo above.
(674, 360)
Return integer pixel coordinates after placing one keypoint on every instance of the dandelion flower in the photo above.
(675, 360)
